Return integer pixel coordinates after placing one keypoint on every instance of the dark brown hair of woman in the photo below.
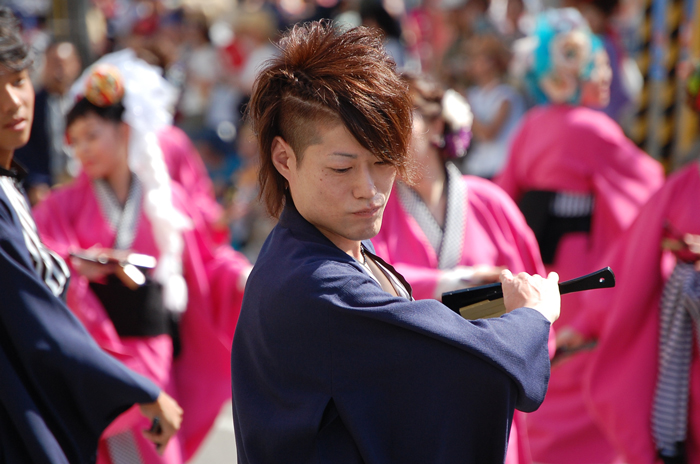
(322, 77)
(426, 94)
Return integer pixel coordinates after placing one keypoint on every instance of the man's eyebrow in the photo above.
(347, 155)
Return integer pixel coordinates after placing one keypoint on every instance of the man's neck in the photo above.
(6, 159)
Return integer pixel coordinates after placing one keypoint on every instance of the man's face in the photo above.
(62, 68)
(16, 110)
(339, 186)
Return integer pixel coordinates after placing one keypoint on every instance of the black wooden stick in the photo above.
(457, 299)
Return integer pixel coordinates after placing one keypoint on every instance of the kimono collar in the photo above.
(447, 241)
(16, 171)
(295, 222)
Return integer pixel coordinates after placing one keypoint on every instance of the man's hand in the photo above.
(534, 292)
(168, 416)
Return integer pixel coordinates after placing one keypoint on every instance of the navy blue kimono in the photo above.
(329, 368)
(58, 389)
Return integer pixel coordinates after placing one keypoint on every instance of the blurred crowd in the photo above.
(477, 47)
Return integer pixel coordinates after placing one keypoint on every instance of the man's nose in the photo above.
(9, 99)
(365, 186)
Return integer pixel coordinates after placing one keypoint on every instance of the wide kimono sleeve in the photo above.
(187, 169)
(623, 179)
(327, 367)
(59, 390)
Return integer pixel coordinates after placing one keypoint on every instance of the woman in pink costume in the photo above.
(644, 379)
(123, 202)
(450, 231)
(580, 183)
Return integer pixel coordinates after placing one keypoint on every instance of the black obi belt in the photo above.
(134, 313)
(551, 215)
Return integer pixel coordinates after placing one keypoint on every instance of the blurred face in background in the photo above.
(595, 92)
(426, 137)
(62, 68)
(100, 145)
(16, 111)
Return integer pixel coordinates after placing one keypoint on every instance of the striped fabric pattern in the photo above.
(123, 449)
(50, 267)
(680, 310)
(571, 204)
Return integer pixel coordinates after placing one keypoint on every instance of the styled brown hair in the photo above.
(325, 76)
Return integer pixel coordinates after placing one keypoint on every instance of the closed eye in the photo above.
(340, 171)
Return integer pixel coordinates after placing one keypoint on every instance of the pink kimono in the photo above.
(72, 219)
(186, 168)
(483, 226)
(621, 380)
(580, 151)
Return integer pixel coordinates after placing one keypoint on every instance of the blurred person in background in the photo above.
(220, 160)
(59, 389)
(580, 183)
(374, 14)
(202, 72)
(449, 231)
(124, 202)
(249, 221)
(428, 34)
(497, 106)
(516, 22)
(627, 80)
(45, 156)
(255, 33)
(466, 19)
(644, 381)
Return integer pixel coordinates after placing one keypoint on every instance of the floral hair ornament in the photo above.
(104, 86)
(458, 124)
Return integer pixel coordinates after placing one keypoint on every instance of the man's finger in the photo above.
(553, 276)
(505, 275)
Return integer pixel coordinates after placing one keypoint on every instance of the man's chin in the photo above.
(370, 232)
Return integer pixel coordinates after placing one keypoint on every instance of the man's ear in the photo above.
(283, 157)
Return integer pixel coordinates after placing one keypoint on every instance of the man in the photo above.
(58, 389)
(332, 361)
(45, 156)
